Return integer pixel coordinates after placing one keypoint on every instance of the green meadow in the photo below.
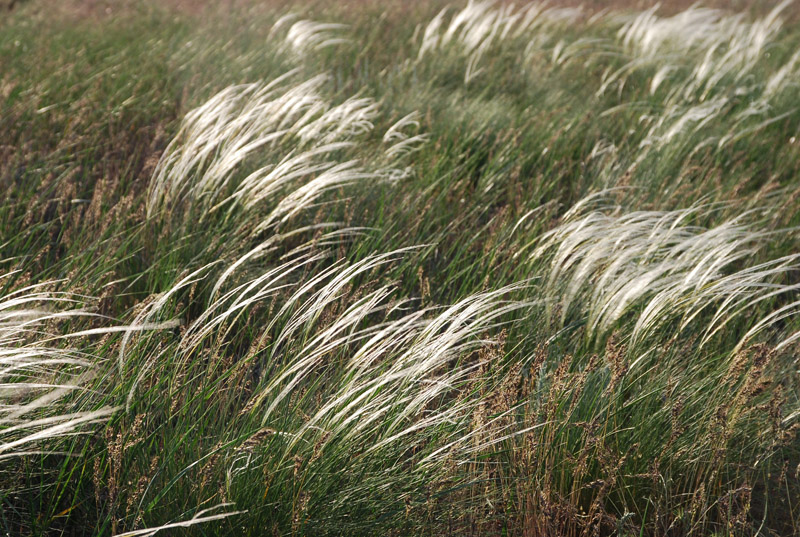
(384, 268)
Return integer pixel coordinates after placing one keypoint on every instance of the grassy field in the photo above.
(384, 268)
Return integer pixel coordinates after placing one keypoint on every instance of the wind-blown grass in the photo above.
(456, 269)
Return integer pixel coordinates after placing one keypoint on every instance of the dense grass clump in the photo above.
(398, 269)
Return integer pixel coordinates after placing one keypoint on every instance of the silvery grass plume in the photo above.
(287, 137)
(709, 59)
(660, 265)
(563, 52)
(399, 352)
(480, 25)
(400, 143)
(678, 122)
(305, 36)
(366, 374)
(201, 517)
(36, 376)
(44, 377)
(695, 28)
(698, 49)
(724, 43)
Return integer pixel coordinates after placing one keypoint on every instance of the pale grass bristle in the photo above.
(402, 143)
(394, 369)
(297, 131)
(38, 372)
(663, 265)
(305, 35)
(528, 270)
(200, 517)
(480, 25)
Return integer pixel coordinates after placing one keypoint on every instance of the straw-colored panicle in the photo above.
(120, 494)
(137, 493)
(616, 360)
